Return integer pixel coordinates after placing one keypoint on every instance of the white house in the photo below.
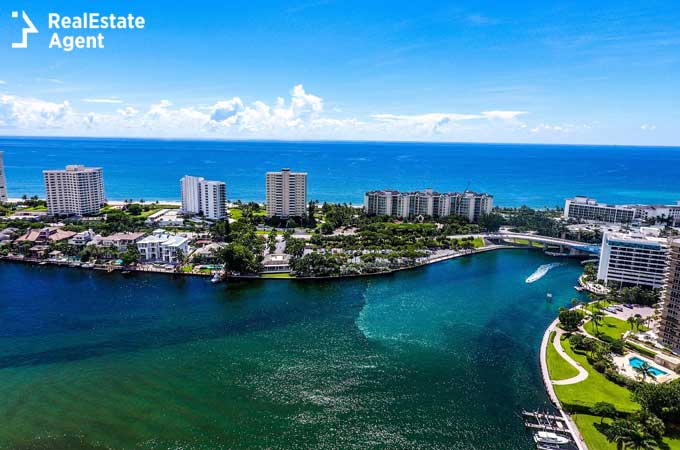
(119, 241)
(83, 238)
(162, 246)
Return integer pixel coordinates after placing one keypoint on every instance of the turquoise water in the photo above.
(533, 175)
(636, 363)
(441, 357)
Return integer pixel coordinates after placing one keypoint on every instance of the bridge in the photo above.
(575, 248)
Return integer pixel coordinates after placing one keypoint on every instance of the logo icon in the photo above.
(28, 29)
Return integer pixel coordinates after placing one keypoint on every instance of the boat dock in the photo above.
(548, 427)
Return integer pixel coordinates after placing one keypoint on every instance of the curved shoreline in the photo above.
(547, 382)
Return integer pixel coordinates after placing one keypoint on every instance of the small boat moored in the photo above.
(546, 437)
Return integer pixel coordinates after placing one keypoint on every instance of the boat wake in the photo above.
(541, 271)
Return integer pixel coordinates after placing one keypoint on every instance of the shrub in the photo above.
(570, 319)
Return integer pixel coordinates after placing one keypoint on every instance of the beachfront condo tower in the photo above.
(632, 260)
(468, 204)
(76, 190)
(286, 194)
(669, 328)
(3, 181)
(200, 196)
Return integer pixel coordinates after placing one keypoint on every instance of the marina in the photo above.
(549, 431)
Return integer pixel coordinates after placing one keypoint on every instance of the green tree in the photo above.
(570, 318)
(219, 231)
(295, 247)
(644, 370)
(134, 209)
(596, 318)
(604, 410)
(311, 213)
(637, 438)
(237, 257)
(271, 241)
(131, 255)
(491, 222)
(617, 433)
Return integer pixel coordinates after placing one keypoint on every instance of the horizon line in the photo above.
(333, 141)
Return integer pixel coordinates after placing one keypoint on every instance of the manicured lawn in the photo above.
(595, 388)
(33, 209)
(596, 440)
(476, 242)
(610, 326)
(276, 275)
(558, 367)
(236, 213)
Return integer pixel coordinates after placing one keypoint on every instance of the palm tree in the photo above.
(638, 439)
(597, 320)
(644, 370)
(617, 433)
(631, 322)
(638, 321)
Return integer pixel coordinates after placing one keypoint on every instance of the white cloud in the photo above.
(503, 115)
(23, 113)
(112, 100)
(302, 115)
(128, 112)
(3, 82)
(647, 127)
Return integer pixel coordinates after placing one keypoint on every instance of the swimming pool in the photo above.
(636, 363)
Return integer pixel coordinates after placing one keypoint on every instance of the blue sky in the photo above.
(567, 72)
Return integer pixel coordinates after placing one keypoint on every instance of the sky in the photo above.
(570, 72)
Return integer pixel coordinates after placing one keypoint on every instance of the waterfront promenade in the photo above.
(548, 383)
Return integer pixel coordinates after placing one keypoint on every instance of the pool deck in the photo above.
(624, 366)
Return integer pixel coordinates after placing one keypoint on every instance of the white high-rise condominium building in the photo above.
(468, 204)
(3, 181)
(585, 208)
(200, 196)
(632, 260)
(76, 190)
(286, 193)
(214, 199)
(669, 327)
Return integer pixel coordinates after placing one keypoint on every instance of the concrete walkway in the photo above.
(578, 439)
(582, 373)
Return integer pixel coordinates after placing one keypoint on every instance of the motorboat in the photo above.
(546, 437)
(216, 278)
(548, 447)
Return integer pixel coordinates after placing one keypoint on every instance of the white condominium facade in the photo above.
(286, 193)
(585, 208)
(163, 246)
(669, 327)
(632, 260)
(468, 204)
(76, 190)
(3, 181)
(658, 212)
(202, 196)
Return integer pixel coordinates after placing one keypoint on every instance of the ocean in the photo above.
(532, 175)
